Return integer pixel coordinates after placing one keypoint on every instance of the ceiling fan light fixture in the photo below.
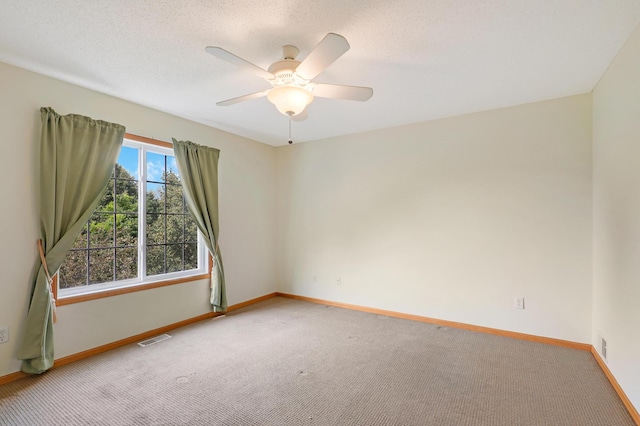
(290, 100)
(292, 81)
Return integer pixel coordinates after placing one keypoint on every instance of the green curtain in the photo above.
(77, 156)
(198, 167)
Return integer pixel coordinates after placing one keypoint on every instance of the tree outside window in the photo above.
(140, 231)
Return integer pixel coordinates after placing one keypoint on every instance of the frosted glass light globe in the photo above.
(290, 100)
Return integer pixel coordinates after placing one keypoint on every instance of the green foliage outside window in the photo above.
(107, 248)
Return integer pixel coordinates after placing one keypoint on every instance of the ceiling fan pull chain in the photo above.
(290, 140)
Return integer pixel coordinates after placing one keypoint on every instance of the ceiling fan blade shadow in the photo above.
(349, 93)
(242, 98)
(220, 53)
(330, 48)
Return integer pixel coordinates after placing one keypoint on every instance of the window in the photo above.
(141, 232)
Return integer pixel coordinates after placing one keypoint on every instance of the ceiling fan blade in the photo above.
(330, 48)
(336, 91)
(219, 52)
(242, 98)
(301, 117)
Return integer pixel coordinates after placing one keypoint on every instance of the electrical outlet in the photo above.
(4, 334)
(603, 349)
(339, 281)
(519, 303)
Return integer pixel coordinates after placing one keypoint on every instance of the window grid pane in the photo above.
(107, 248)
(73, 272)
(101, 265)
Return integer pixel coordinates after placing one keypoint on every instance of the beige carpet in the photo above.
(286, 362)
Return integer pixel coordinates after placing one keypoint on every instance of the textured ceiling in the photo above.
(425, 59)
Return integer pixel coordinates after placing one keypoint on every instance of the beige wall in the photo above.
(448, 219)
(247, 215)
(616, 227)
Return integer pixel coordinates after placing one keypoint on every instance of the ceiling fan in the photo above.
(293, 88)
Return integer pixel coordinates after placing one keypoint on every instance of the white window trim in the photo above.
(142, 279)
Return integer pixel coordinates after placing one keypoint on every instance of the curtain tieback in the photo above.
(43, 259)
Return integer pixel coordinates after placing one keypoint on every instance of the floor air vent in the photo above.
(153, 340)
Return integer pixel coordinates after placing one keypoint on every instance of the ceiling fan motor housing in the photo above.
(284, 69)
(291, 93)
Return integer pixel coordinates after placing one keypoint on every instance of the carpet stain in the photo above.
(107, 392)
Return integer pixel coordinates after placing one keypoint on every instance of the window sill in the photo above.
(124, 290)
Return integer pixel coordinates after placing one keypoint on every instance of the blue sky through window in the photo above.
(155, 163)
(129, 160)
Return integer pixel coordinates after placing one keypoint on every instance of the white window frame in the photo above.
(142, 279)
